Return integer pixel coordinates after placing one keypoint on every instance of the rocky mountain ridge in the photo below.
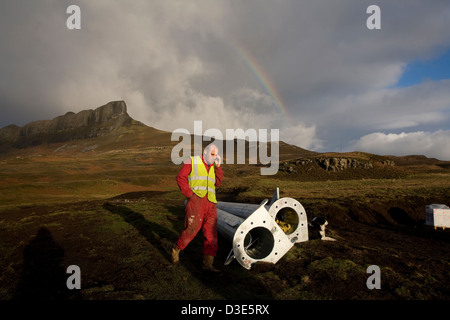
(109, 128)
(71, 126)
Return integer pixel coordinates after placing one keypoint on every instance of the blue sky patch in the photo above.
(423, 70)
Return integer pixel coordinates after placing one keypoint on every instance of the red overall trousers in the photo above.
(200, 213)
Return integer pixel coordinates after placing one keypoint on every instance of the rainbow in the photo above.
(263, 80)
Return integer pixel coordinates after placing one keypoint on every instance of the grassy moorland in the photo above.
(115, 214)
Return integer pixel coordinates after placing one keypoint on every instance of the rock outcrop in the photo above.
(71, 126)
(339, 164)
(331, 164)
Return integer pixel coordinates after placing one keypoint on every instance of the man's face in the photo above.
(210, 155)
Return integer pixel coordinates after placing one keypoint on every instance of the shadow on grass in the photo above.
(43, 277)
(229, 285)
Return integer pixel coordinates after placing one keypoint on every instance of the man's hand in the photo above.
(217, 161)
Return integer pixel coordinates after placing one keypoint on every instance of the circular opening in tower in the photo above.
(259, 243)
(287, 219)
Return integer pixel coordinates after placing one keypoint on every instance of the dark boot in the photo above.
(175, 254)
(208, 261)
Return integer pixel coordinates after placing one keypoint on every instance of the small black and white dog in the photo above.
(316, 229)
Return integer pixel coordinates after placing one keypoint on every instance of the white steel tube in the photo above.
(287, 212)
(254, 238)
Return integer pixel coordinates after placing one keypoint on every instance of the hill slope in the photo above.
(110, 130)
(107, 128)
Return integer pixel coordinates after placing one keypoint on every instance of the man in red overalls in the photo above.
(198, 179)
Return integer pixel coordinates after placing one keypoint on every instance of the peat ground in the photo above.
(122, 246)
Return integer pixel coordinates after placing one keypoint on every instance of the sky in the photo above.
(312, 68)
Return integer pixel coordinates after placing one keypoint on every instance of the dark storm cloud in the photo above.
(174, 62)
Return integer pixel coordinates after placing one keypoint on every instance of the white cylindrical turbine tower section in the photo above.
(289, 214)
(227, 224)
(243, 210)
(256, 238)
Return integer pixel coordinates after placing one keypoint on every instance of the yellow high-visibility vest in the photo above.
(200, 181)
